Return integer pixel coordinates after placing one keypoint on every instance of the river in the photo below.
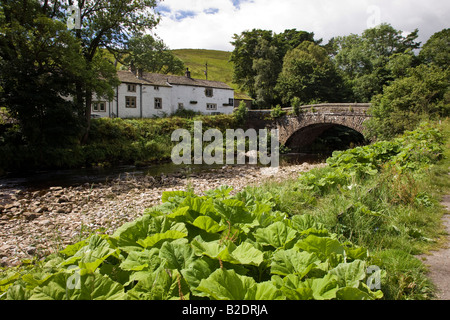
(42, 212)
(38, 180)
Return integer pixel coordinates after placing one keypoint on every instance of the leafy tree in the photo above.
(243, 55)
(152, 55)
(309, 75)
(423, 94)
(107, 24)
(364, 59)
(258, 60)
(39, 61)
(437, 49)
(266, 68)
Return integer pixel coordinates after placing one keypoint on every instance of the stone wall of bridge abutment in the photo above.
(351, 115)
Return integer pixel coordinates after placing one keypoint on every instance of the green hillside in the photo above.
(219, 67)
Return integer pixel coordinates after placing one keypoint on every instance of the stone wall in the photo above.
(348, 115)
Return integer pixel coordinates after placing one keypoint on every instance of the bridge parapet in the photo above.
(323, 115)
(324, 107)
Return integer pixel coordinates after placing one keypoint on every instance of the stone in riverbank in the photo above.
(38, 223)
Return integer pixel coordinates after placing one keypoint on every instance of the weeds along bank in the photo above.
(111, 142)
(347, 231)
(384, 197)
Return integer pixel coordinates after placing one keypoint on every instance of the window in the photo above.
(130, 102)
(156, 88)
(158, 103)
(99, 106)
(131, 88)
(209, 92)
(180, 106)
(211, 106)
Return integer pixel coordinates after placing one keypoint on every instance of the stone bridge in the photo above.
(313, 120)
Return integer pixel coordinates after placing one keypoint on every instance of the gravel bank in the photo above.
(43, 222)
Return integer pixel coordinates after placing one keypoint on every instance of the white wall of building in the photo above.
(149, 93)
(194, 98)
(171, 97)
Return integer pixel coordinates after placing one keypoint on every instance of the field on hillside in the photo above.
(219, 67)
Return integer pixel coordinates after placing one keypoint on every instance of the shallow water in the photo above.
(34, 181)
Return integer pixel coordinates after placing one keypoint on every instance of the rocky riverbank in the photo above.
(35, 224)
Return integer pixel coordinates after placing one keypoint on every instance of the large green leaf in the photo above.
(127, 235)
(142, 260)
(324, 288)
(304, 222)
(225, 284)
(291, 289)
(163, 284)
(247, 254)
(292, 261)
(157, 239)
(319, 288)
(267, 291)
(70, 250)
(17, 292)
(198, 270)
(181, 214)
(322, 246)
(277, 235)
(356, 253)
(233, 211)
(350, 274)
(351, 293)
(91, 287)
(170, 195)
(211, 249)
(92, 255)
(208, 224)
(177, 254)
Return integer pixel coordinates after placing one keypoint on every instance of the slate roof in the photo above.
(157, 79)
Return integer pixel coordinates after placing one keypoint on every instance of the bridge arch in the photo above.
(333, 137)
(312, 120)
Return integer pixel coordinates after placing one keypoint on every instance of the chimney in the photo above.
(132, 68)
(187, 73)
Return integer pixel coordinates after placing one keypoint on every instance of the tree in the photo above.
(309, 75)
(107, 24)
(266, 68)
(258, 60)
(36, 42)
(363, 59)
(437, 49)
(421, 95)
(243, 55)
(39, 63)
(152, 55)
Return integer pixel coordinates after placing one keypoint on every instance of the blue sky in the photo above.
(210, 24)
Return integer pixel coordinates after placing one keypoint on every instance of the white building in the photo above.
(146, 95)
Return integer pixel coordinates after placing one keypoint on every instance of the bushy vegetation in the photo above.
(383, 197)
(111, 142)
(347, 231)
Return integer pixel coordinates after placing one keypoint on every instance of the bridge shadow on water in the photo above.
(317, 142)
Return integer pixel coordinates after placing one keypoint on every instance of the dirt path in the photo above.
(439, 261)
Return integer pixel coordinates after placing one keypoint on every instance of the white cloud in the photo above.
(210, 24)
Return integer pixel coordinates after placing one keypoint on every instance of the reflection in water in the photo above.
(64, 178)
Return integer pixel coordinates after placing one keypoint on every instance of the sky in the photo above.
(211, 24)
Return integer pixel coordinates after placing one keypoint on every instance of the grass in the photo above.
(395, 214)
(219, 66)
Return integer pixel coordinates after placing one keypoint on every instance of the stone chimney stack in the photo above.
(187, 73)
